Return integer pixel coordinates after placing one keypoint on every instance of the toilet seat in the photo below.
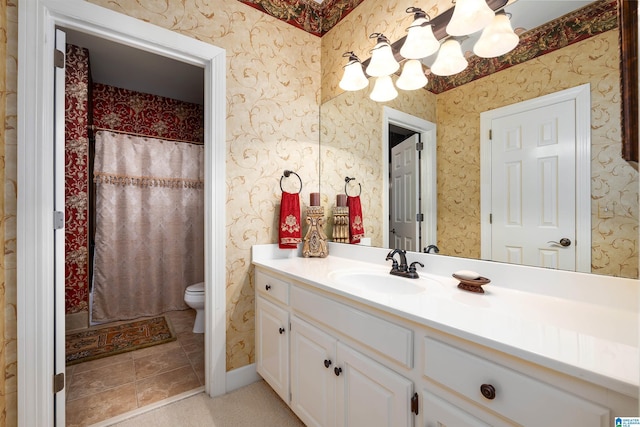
(195, 289)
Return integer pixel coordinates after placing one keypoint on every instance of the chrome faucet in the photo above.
(402, 269)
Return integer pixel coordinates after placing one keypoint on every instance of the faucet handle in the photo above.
(394, 265)
(412, 267)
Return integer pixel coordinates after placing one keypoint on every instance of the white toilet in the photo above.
(194, 298)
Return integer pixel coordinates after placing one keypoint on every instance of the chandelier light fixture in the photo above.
(423, 40)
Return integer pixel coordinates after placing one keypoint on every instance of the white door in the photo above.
(313, 381)
(369, 394)
(404, 195)
(59, 231)
(272, 346)
(440, 413)
(533, 180)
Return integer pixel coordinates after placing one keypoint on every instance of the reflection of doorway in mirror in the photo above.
(537, 194)
(404, 193)
(425, 188)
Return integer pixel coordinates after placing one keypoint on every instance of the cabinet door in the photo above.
(438, 412)
(313, 383)
(272, 346)
(369, 394)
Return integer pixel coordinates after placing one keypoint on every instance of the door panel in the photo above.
(404, 195)
(533, 186)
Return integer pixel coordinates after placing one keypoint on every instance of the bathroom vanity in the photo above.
(346, 344)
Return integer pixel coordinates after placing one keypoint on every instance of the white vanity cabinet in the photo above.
(311, 363)
(272, 333)
(339, 361)
(500, 390)
(335, 385)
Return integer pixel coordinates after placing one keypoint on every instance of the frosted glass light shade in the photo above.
(497, 39)
(420, 41)
(450, 59)
(412, 76)
(382, 61)
(353, 78)
(469, 16)
(383, 90)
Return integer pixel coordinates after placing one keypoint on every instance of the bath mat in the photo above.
(103, 341)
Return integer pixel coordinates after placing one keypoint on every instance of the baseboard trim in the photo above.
(241, 377)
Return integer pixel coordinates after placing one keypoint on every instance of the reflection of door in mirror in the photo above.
(404, 192)
(535, 165)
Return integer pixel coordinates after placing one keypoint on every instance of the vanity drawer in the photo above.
(272, 287)
(509, 393)
(392, 341)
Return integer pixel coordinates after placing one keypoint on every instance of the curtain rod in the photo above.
(94, 128)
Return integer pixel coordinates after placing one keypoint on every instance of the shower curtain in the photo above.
(149, 225)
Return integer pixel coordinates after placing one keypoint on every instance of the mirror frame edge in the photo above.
(628, 29)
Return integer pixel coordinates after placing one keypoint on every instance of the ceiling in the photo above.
(122, 66)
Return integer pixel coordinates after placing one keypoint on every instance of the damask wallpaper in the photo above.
(77, 119)
(142, 113)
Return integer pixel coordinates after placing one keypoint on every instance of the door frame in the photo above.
(428, 184)
(582, 98)
(35, 242)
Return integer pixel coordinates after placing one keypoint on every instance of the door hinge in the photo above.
(58, 58)
(414, 403)
(491, 134)
(419, 217)
(58, 382)
(490, 218)
(419, 146)
(58, 220)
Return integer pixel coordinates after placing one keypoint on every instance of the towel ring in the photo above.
(346, 181)
(286, 175)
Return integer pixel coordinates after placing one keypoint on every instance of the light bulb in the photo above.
(497, 39)
(450, 59)
(383, 89)
(382, 63)
(353, 78)
(469, 16)
(420, 41)
(412, 76)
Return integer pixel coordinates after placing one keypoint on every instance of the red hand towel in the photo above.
(290, 233)
(356, 226)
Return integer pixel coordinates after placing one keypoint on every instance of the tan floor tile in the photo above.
(155, 349)
(162, 362)
(101, 406)
(86, 383)
(166, 385)
(101, 363)
(192, 343)
(197, 362)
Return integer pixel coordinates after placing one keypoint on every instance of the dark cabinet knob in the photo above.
(281, 331)
(337, 371)
(267, 287)
(488, 391)
(327, 363)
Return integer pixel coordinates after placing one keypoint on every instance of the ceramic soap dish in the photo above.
(472, 285)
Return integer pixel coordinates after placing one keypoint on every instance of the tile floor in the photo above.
(103, 388)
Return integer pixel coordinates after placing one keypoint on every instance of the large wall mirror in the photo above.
(559, 54)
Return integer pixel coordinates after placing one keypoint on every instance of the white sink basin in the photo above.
(381, 282)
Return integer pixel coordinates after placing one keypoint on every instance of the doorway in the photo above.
(535, 182)
(39, 283)
(400, 125)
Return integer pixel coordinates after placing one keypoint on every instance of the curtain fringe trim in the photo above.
(146, 181)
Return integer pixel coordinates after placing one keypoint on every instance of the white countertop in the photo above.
(597, 342)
